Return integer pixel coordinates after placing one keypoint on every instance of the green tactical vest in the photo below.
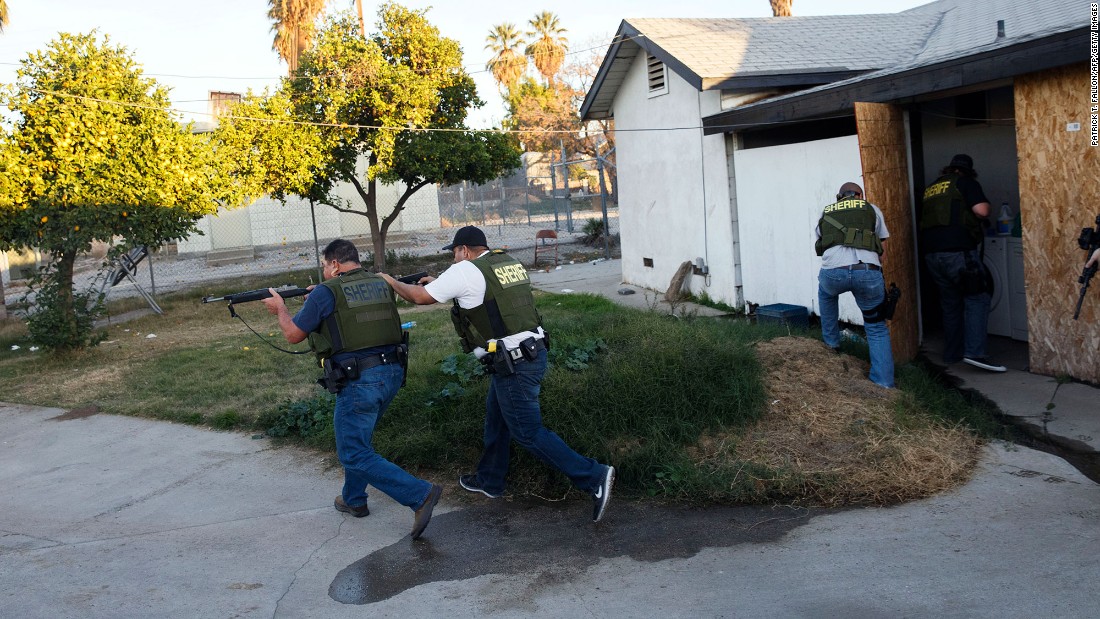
(365, 316)
(943, 205)
(850, 223)
(509, 305)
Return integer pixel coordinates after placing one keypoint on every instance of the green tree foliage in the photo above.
(261, 145)
(93, 155)
(399, 99)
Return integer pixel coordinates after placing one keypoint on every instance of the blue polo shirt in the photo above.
(320, 304)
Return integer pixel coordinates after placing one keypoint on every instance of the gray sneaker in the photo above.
(470, 482)
(984, 363)
(602, 496)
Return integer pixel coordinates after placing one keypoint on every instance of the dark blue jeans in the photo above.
(868, 289)
(359, 406)
(512, 412)
(965, 317)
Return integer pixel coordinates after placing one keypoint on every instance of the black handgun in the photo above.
(412, 279)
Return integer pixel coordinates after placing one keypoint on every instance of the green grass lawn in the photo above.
(638, 389)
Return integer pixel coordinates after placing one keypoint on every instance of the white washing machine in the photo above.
(1000, 309)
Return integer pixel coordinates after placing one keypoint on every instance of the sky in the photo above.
(200, 46)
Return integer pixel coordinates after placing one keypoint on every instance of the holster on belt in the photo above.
(503, 362)
(337, 375)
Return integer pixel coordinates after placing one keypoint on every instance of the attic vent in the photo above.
(658, 83)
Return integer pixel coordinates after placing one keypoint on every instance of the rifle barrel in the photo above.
(285, 292)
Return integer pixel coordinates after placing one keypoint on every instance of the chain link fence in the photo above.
(272, 237)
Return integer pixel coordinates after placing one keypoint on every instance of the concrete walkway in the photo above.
(109, 516)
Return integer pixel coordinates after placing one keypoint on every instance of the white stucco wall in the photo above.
(780, 193)
(674, 202)
(270, 222)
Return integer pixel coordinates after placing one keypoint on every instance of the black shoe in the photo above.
(602, 496)
(358, 512)
(984, 363)
(424, 512)
(470, 482)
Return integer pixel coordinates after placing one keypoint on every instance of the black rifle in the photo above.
(1090, 242)
(285, 292)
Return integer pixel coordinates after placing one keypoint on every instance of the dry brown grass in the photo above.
(837, 437)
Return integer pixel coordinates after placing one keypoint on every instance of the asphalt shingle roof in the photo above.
(720, 48)
(707, 51)
(968, 25)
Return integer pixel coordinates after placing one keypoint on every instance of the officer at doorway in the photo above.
(850, 234)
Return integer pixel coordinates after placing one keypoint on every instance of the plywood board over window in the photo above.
(882, 149)
(1059, 195)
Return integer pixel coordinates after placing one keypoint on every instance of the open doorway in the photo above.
(981, 124)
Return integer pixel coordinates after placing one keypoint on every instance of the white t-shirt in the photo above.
(463, 281)
(842, 256)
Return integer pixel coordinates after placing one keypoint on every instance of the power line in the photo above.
(410, 127)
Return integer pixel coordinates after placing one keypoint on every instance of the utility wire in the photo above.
(414, 128)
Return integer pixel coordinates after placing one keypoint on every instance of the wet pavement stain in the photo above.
(76, 413)
(555, 541)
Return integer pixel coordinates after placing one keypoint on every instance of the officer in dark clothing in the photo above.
(353, 327)
(495, 316)
(953, 209)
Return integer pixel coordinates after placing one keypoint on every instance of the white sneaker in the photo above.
(984, 363)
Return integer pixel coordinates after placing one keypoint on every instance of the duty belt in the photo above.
(862, 266)
(517, 354)
(373, 361)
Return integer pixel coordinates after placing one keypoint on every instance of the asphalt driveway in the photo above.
(107, 516)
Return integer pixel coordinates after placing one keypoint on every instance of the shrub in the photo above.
(48, 323)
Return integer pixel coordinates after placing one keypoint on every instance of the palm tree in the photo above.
(507, 63)
(294, 27)
(548, 47)
(359, 10)
(781, 8)
(3, 22)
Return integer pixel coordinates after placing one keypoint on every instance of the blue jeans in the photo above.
(512, 411)
(359, 406)
(965, 317)
(869, 290)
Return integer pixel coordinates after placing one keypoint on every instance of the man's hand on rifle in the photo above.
(277, 306)
(1094, 259)
(274, 303)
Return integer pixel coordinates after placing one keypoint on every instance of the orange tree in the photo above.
(398, 100)
(92, 153)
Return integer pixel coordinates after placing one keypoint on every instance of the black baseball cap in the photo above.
(963, 162)
(471, 236)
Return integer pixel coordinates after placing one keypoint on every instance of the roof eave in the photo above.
(631, 39)
(1005, 62)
